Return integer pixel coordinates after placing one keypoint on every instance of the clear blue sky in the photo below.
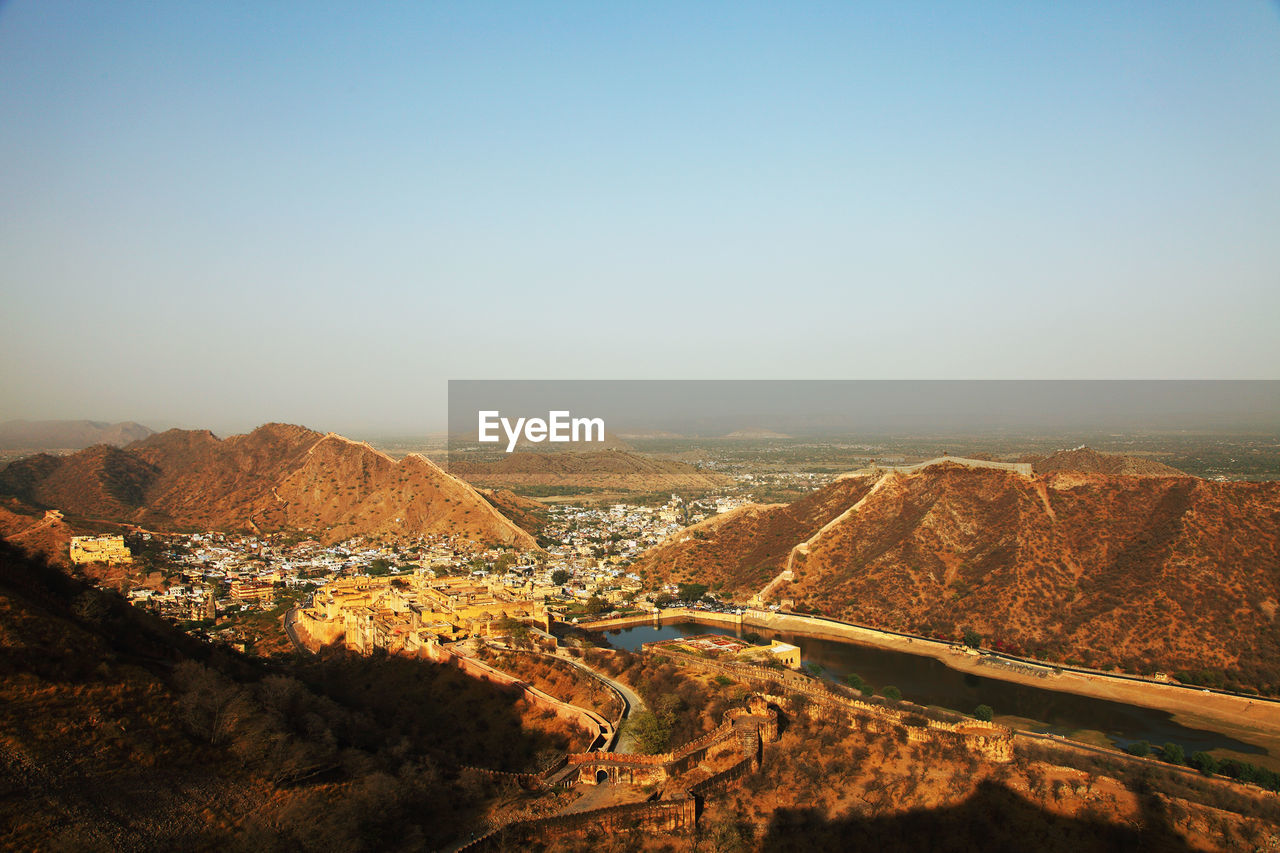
(219, 213)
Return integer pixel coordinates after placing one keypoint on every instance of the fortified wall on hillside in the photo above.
(603, 732)
(750, 727)
(1023, 468)
(990, 740)
(741, 736)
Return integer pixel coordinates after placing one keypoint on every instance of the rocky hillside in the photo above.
(1169, 573)
(611, 470)
(745, 548)
(278, 477)
(1084, 460)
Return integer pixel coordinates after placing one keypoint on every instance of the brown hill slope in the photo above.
(1143, 572)
(101, 481)
(604, 469)
(528, 513)
(1085, 460)
(35, 533)
(745, 548)
(278, 477)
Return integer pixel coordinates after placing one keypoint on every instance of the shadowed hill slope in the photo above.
(994, 818)
(117, 732)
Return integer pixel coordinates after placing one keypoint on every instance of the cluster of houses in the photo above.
(400, 593)
(619, 533)
(211, 575)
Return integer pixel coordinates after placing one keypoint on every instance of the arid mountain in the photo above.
(67, 435)
(605, 469)
(746, 547)
(1084, 460)
(1171, 573)
(34, 531)
(278, 477)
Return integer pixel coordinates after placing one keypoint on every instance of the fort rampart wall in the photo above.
(757, 720)
(674, 614)
(992, 740)
(601, 729)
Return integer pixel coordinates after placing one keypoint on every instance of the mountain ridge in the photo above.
(1141, 572)
(278, 477)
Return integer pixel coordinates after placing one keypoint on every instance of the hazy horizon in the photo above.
(218, 215)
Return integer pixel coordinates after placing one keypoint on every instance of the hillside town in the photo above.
(235, 588)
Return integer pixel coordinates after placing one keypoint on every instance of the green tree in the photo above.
(1173, 753)
(1204, 762)
(891, 693)
(854, 680)
(692, 591)
(972, 638)
(379, 567)
(1139, 748)
(984, 713)
(559, 577)
(651, 732)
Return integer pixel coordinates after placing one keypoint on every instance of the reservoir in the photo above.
(927, 681)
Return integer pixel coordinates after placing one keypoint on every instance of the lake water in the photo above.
(928, 681)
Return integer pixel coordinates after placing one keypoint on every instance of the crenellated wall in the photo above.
(991, 740)
(591, 722)
(753, 724)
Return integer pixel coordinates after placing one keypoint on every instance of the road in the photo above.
(632, 703)
(289, 631)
